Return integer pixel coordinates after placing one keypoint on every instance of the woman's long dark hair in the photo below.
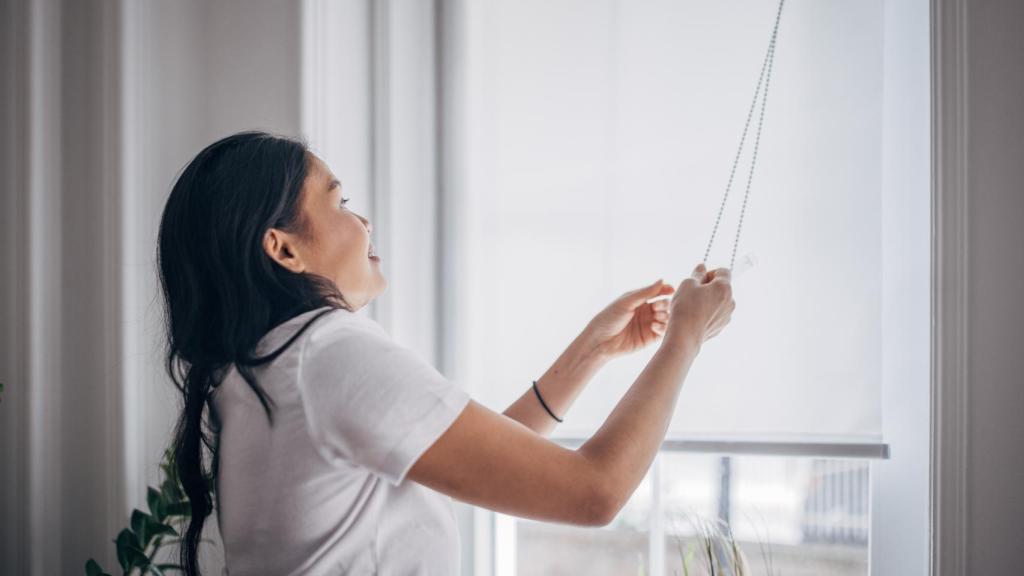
(222, 292)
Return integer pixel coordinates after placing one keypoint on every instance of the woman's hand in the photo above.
(702, 306)
(630, 322)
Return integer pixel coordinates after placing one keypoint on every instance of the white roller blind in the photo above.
(597, 142)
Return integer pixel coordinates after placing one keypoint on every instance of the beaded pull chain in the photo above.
(766, 80)
(748, 261)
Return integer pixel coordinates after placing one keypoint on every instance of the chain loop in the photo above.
(764, 79)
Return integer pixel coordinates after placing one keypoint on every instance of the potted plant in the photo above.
(147, 533)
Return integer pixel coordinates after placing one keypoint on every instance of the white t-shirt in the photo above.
(322, 491)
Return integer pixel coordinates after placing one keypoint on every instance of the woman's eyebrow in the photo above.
(332, 184)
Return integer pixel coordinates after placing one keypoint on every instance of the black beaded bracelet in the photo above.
(542, 403)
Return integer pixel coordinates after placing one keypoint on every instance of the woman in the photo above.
(333, 449)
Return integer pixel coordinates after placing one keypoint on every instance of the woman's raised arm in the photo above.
(490, 460)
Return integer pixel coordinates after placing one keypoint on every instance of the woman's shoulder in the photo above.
(340, 325)
(317, 325)
(340, 321)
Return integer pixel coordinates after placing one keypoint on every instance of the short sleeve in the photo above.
(371, 401)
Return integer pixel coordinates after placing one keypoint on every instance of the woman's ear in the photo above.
(281, 247)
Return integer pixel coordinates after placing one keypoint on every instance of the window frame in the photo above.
(426, 116)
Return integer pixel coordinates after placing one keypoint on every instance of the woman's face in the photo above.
(337, 243)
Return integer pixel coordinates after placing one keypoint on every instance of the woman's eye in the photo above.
(343, 202)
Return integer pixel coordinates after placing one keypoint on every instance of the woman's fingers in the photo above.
(717, 273)
(720, 273)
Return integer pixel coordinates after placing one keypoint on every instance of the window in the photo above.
(590, 144)
(531, 160)
(794, 515)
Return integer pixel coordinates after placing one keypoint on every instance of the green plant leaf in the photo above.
(171, 491)
(169, 501)
(146, 528)
(153, 500)
(140, 525)
(183, 509)
(129, 553)
(125, 539)
(155, 528)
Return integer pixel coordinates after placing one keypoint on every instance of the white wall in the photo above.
(978, 396)
(102, 103)
(995, 416)
(60, 476)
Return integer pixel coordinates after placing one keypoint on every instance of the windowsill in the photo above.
(738, 446)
